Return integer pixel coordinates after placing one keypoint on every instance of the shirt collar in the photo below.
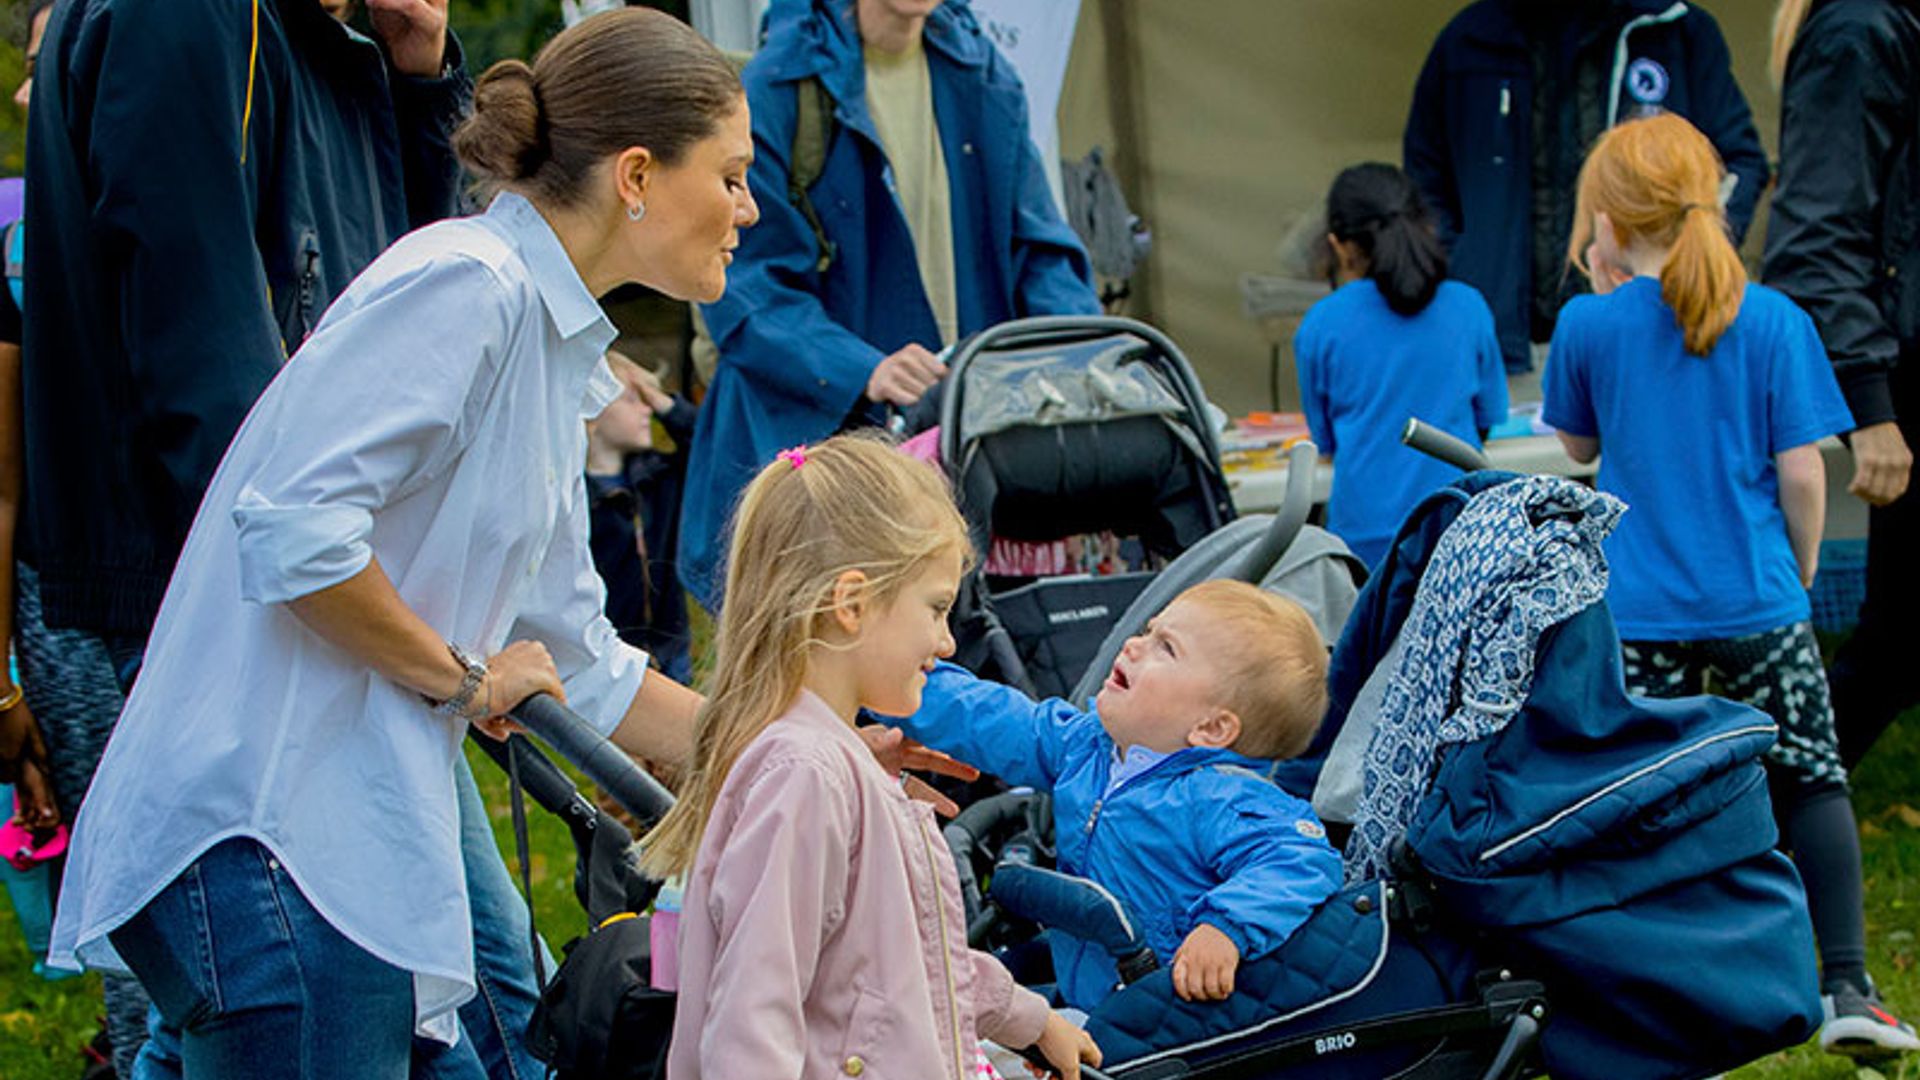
(573, 309)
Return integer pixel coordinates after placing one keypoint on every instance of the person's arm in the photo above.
(1803, 500)
(1425, 150)
(1841, 117)
(23, 751)
(1012, 1015)
(997, 728)
(1583, 449)
(1568, 404)
(1272, 876)
(432, 91)
(1720, 111)
(779, 885)
(177, 186)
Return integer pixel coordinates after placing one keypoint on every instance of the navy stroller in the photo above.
(1598, 876)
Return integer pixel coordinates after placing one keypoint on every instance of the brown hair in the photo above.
(857, 503)
(623, 78)
(1276, 679)
(1658, 179)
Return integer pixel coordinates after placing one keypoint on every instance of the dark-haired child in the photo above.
(1395, 340)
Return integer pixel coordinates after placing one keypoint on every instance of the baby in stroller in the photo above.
(1161, 791)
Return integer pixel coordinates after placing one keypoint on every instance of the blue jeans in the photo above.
(493, 1026)
(254, 983)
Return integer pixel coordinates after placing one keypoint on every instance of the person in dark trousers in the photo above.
(634, 490)
(1843, 240)
(1512, 95)
(207, 176)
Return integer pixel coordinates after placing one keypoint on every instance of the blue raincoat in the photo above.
(797, 346)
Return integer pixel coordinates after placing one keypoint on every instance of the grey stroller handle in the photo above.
(593, 754)
(1224, 553)
(1046, 328)
(1430, 440)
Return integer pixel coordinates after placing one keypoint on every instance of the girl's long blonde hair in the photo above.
(1658, 179)
(1787, 20)
(853, 502)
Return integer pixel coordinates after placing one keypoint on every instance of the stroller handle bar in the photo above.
(593, 754)
(1430, 440)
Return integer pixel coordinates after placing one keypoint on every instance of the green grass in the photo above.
(42, 1025)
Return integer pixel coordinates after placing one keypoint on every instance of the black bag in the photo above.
(600, 1019)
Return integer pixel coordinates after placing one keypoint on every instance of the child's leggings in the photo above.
(1779, 672)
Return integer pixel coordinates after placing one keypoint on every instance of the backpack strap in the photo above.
(14, 243)
(812, 132)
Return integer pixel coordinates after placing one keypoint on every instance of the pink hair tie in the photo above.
(795, 457)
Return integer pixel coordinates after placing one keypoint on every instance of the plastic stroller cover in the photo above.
(1619, 850)
(1048, 386)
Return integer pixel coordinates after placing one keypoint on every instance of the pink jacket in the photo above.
(821, 933)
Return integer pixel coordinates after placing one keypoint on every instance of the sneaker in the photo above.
(1858, 1026)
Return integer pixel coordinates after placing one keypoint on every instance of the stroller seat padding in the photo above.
(1333, 955)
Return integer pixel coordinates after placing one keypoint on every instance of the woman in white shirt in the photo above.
(395, 547)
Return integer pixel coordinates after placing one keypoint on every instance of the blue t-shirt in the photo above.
(1688, 443)
(1364, 370)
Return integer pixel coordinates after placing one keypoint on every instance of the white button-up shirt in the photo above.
(434, 420)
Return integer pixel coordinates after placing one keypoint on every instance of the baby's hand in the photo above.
(1203, 968)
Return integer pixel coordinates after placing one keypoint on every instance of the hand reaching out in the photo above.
(897, 753)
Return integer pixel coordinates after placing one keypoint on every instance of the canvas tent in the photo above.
(1226, 120)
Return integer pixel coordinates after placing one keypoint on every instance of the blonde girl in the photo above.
(821, 931)
(1708, 394)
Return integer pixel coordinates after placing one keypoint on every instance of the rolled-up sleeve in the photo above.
(376, 403)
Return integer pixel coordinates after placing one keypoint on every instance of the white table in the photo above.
(1260, 490)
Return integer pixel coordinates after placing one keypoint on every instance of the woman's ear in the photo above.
(1218, 730)
(632, 175)
(850, 600)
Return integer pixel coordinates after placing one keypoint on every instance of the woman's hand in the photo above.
(514, 674)
(20, 742)
(1065, 1046)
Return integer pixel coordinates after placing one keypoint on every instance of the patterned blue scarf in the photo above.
(1520, 558)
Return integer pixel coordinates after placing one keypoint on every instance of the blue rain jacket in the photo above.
(797, 346)
(1203, 836)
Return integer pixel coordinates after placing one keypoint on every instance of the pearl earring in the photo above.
(636, 211)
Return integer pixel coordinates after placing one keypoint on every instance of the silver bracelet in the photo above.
(460, 704)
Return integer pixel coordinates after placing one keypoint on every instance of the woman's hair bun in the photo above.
(503, 141)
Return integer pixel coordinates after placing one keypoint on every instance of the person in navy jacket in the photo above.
(803, 352)
(1513, 93)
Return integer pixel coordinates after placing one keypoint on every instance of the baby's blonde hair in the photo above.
(1275, 676)
(853, 502)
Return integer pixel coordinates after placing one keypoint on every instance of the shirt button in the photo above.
(854, 1066)
(551, 478)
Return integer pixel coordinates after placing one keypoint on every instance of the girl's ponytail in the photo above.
(1703, 280)
(1657, 180)
(1377, 207)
